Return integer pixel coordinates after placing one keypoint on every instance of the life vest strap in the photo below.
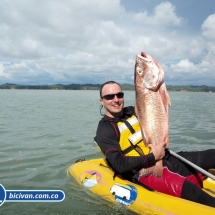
(133, 147)
(129, 126)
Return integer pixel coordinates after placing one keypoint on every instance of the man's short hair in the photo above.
(108, 82)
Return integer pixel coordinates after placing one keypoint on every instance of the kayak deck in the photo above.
(97, 176)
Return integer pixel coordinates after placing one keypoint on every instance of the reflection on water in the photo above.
(42, 133)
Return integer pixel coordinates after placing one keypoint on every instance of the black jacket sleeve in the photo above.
(108, 141)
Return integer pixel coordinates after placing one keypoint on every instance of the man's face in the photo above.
(113, 106)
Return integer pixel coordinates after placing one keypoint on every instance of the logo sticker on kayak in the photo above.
(124, 194)
(90, 178)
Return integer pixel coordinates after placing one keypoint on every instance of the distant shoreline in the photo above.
(176, 88)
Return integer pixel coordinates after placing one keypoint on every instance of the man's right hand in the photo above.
(158, 150)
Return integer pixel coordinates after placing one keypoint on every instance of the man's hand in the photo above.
(157, 170)
(158, 150)
(146, 171)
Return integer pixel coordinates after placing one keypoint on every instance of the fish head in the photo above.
(148, 74)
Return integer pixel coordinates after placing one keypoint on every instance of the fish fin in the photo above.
(164, 97)
(135, 110)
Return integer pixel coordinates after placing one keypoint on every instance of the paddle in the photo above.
(192, 164)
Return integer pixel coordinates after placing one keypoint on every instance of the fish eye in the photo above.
(140, 71)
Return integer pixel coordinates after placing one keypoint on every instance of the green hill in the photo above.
(188, 88)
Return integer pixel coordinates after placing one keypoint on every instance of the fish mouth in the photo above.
(157, 79)
(145, 58)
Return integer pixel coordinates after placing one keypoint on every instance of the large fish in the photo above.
(152, 101)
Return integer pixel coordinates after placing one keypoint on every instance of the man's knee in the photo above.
(170, 183)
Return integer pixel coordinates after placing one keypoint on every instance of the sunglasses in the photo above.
(112, 96)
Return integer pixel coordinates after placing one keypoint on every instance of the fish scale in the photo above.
(152, 100)
(151, 116)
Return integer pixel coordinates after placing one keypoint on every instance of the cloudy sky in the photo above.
(92, 41)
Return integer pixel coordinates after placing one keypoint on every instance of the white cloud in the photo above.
(208, 28)
(164, 16)
(3, 75)
(80, 41)
(185, 66)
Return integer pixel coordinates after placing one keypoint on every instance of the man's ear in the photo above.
(101, 101)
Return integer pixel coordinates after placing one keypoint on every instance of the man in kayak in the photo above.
(117, 136)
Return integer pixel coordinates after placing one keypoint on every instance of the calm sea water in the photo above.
(42, 133)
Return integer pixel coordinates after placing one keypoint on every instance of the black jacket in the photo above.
(107, 138)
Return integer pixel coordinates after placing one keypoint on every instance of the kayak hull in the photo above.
(98, 177)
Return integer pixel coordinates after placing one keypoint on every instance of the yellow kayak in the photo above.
(98, 178)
